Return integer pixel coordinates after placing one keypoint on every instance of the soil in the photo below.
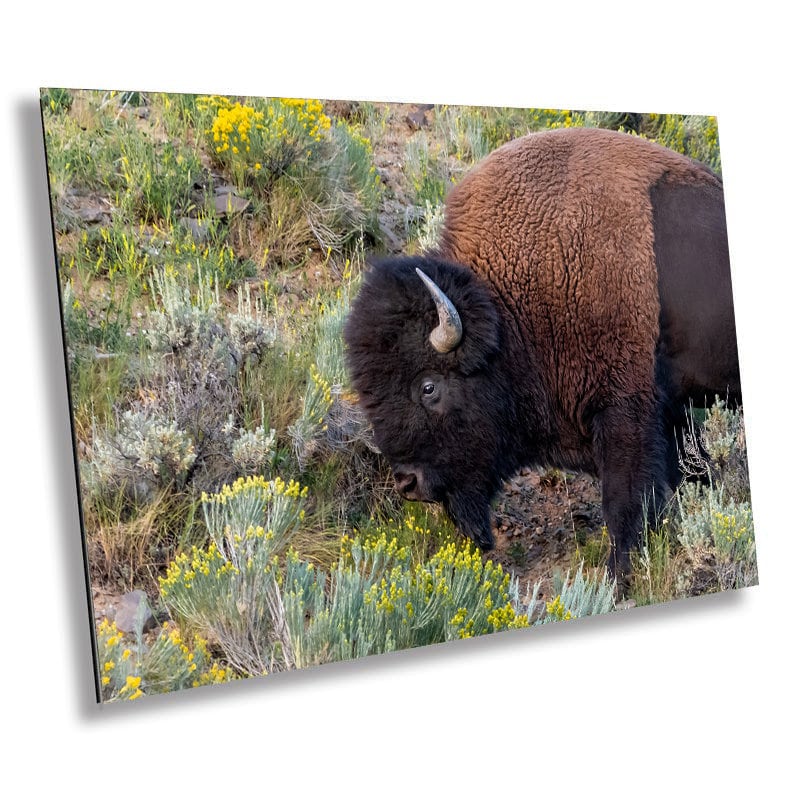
(543, 520)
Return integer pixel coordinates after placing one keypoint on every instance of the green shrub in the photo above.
(145, 452)
(76, 159)
(430, 225)
(174, 431)
(230, 591)
(374, 601)
(268, 612)
(718, 536)
(717, 451)
(327, 378)
(472, 132)
(587, 593)
(111, 250)
(694, 136)
(427, 171)
(691, 135)
(705, 541)
(167, 665)
(104, 324)
(92, 148)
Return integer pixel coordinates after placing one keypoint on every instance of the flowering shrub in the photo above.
(374, 601)
(260, 144)
(316, 176)
(254, 502)
(229, 591)
(587, 593)
(233, 602)
(270, 612)
(129, 671)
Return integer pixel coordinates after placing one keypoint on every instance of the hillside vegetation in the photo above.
(208, 249)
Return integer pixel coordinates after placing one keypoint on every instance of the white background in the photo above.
(698, 698)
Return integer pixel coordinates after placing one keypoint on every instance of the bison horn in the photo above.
(447, 334)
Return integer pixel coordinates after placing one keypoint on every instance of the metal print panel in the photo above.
(350, 377)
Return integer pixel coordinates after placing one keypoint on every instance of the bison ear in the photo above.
(481, 340)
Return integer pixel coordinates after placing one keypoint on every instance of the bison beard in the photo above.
(470, 514)
(579, 298)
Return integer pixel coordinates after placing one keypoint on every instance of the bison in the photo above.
(578, 299)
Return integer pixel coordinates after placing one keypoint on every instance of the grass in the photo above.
(205, 345)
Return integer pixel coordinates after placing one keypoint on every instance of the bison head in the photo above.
(425, 355)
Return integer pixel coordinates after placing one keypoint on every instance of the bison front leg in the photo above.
(632, 460)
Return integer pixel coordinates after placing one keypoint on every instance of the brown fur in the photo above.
(579, 201)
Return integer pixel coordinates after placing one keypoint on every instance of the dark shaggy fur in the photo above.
(590, 271)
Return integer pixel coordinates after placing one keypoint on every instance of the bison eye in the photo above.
(429, 391)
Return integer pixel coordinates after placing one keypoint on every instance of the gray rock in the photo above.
(87, 209)
(134, 612)
(225, 188)
(229, 203)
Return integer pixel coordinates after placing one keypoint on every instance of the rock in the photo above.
(225, 188)
(417, 120)
(89, 210)
(229, 203)
(92, 213)
(392, 242)
(134, 612)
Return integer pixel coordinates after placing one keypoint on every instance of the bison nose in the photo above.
(406, 483)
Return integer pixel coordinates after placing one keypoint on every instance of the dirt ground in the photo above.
(543, 517)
